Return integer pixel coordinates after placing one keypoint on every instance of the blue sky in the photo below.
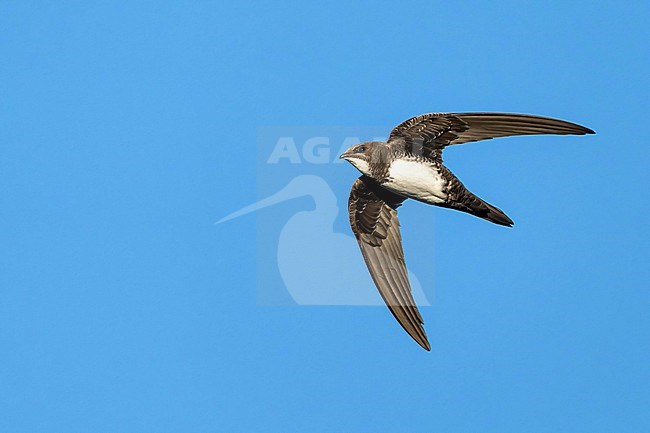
(128, 129)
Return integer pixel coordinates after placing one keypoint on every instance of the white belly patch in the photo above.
(416, 180)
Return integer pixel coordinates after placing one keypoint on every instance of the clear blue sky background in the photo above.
(128, 128)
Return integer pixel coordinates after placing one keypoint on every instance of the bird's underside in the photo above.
(410, 165)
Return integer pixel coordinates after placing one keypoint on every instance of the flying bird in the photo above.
(409, 165)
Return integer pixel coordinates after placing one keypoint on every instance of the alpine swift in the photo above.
(409, 165)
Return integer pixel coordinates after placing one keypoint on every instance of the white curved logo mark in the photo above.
(319, 266)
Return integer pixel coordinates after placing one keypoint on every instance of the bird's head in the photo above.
(360, 155)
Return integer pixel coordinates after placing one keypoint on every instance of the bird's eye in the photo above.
(361, 149)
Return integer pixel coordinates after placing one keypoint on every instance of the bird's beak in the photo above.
(345, 155)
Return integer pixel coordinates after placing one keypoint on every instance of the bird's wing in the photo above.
(438, 130)
(373, 218)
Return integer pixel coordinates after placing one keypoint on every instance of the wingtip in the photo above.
(583, 130)
(422, 340)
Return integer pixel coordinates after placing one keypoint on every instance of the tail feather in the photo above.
(495, 215)
(472, 204)
(462, 199)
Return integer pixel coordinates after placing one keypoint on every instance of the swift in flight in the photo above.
(409, 165)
